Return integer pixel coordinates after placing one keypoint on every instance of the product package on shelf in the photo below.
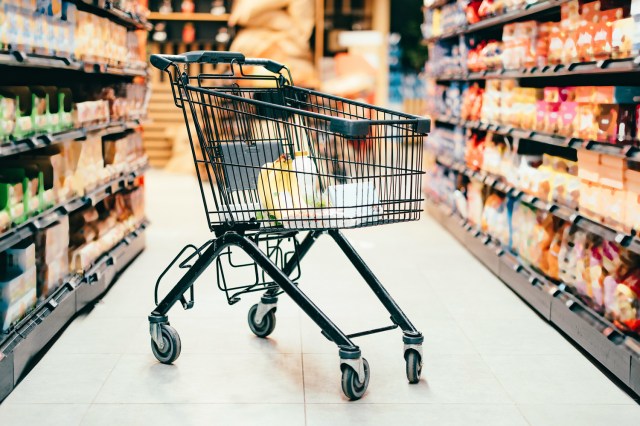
(52, 261)
(17, 282)
(123, 154)
(95, 230)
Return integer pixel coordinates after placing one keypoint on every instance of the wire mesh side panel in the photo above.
(277, 168)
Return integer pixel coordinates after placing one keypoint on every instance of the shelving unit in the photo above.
(21, 345)
(629, 152)
(628, 240)
(617, 352)
(609, 66)
(46, 218)
(529, 11)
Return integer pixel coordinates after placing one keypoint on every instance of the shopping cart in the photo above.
(273, 161)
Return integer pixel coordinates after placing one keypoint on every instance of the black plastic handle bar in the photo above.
(162, 62)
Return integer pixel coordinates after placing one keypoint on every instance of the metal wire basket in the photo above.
(274, 156)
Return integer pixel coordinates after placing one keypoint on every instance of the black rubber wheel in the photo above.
(414, 366)
(352, 387)
(264, 327)
(170, 345)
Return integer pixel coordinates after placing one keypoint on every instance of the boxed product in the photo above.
(13, 287)
(52, 274)
(18, 258)
(10, 313)
(589, 164)
(612, 171)
(52, 241)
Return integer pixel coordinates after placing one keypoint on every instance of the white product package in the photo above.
(356, 200)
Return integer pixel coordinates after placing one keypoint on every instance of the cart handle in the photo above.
(162, 62)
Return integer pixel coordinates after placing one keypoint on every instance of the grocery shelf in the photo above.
(499, 20)
(617, 352)
(177, 16)
(129, 20)
(628, 152)
(47, 139)
(629, 240)
(606, 66)
(20, 232)
(19, 348)
(24, 60)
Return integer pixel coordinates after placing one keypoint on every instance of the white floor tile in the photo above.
(554, 379)
(200, 378)
(413, 414)
(18, 414)
(195, 414)
(579, 414)
(65, 379)
(445, 379)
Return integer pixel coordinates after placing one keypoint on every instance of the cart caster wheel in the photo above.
(414, 366)
(171, 346)
(264, 327)
(352, 387)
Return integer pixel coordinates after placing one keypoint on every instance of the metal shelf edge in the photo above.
(609, 66)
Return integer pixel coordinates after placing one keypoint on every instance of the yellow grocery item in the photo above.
(278, 188)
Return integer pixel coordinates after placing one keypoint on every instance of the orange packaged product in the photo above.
(542, 44)
(553, 269)
(586, 125)
(556, 44)
(584, 40)
(570, 47)
(585, 94)
(603, 33)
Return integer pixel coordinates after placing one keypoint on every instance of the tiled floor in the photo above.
(488, 358)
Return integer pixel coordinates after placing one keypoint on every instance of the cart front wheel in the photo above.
(414, 366)
(171, 346)
(352, 387)
(266, 326)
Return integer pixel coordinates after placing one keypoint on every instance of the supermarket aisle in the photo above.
(488, 358)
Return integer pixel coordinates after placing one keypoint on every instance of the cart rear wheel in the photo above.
(352, 387)
(414, 366)
(264, 327)
(171, 346)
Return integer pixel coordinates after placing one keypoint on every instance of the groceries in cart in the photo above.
(290, 190)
